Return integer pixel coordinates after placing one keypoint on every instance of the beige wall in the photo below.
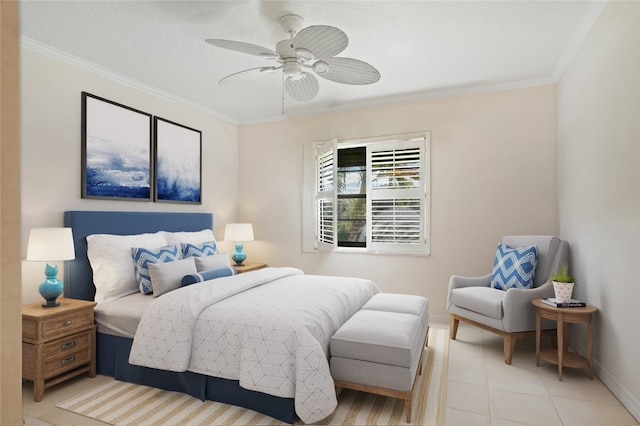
(51, 168)
(599, 189)
(10, 324)
(493, 172)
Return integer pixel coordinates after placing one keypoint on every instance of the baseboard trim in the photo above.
(629, 401)
(625, 397)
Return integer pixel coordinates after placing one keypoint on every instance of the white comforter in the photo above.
(269, 329)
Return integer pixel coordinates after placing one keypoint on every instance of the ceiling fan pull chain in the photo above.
(282, 87)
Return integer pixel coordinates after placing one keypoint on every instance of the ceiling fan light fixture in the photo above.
(291, 69)
(320, 67)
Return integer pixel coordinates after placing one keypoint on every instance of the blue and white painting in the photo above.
(117, 151)
(178, 162)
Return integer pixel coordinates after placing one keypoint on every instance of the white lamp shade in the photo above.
(50, 245)
(238, 232)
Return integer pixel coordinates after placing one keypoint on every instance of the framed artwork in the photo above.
(116, 151)
(178, 162)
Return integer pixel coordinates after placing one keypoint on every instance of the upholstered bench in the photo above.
(379, 349)
(402, 303)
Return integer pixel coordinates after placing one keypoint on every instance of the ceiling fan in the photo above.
(306, 53)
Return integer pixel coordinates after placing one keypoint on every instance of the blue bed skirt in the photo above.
(113, 360)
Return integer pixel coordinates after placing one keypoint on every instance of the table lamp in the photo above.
(238, 232)
(50, 245)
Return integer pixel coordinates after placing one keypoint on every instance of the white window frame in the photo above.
(419, 246)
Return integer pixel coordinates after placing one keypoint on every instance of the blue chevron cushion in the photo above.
(514, 267)
(142, 257)
(199, 250)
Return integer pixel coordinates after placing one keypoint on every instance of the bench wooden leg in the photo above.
(426, 340)
(407, 404)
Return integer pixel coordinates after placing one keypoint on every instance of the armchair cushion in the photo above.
(486, 301)
(514, 267)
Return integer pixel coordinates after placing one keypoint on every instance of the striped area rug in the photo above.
(120, 403)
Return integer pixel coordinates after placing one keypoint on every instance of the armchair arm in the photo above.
(519, 313)
(457, 281)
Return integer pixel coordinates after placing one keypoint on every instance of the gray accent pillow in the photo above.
(216, 261)
(166, 277)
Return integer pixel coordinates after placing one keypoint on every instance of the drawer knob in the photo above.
(68, 345)
(68, 360)
(67, 323)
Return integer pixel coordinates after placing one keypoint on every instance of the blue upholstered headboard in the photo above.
(78, 276)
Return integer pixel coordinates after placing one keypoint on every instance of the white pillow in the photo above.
(112, 264)
(216, 261)
(166, 277)
(197, 237)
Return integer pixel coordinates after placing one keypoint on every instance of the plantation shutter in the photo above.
(397, 205)
(326, 172)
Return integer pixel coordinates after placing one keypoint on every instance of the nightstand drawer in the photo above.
(66, 324)
(61, 325)
(67, 344)
(66, 361)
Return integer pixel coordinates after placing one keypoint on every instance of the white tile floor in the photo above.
(483, 390)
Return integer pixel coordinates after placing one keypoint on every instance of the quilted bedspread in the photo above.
(270, 329)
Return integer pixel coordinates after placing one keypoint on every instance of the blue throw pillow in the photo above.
(514, 267)
(199, 250)
(143, 257)
(208, 275)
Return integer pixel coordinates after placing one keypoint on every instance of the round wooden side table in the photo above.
(563, 317)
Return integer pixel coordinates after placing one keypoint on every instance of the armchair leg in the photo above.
(509, 344)
(453, 327)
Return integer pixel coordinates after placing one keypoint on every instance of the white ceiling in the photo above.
(421, 48)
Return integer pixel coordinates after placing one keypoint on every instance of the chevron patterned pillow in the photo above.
(199, 250)
(143, 257)
(514, 267)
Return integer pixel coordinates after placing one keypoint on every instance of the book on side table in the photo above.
(571, 303)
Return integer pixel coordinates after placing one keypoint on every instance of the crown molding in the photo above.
(425, 95)
(59, 55)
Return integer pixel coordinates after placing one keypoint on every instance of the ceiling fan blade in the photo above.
(321, 40)
(239, 46)
(246, 75)
(349, 71)
(304, 89)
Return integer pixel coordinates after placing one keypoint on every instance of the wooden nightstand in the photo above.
(57, 343)
(250, 267)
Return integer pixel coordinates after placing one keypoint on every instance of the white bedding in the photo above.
(269, 329)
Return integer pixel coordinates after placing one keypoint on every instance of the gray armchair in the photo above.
(507, 313)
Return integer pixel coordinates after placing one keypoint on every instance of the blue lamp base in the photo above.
(239, 256)
(52, 287)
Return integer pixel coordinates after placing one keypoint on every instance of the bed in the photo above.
(198, 375)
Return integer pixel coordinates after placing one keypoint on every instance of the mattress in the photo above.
(121, 317)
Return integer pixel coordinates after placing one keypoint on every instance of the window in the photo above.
(373, 195)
